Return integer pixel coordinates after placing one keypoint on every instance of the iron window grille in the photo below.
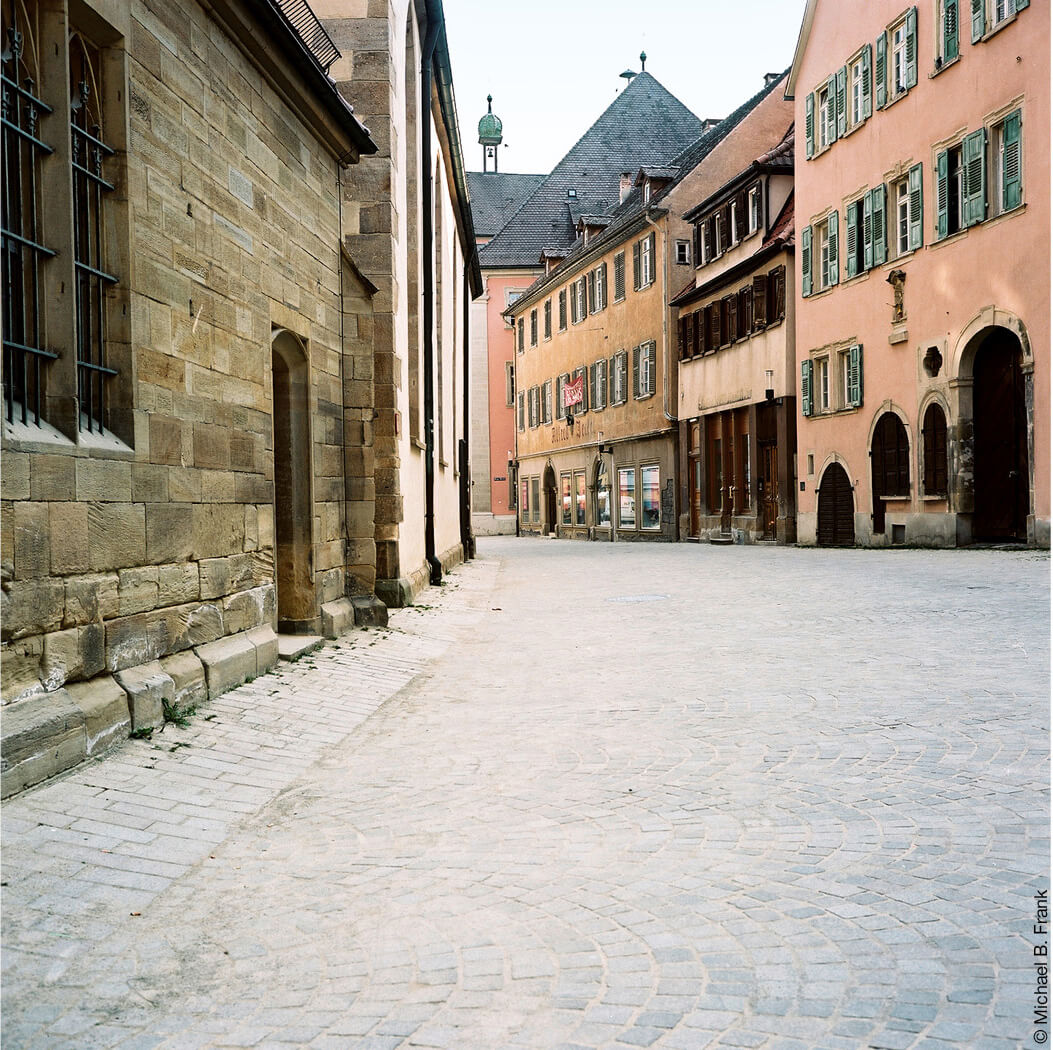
(92, 279)
(25, 359)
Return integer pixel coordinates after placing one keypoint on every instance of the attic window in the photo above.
(647, 191)
(572, 193)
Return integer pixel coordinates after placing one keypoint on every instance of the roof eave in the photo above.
(798, 55)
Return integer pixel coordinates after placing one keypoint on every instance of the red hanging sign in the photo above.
(574, 391)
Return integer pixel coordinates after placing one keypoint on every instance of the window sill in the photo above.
(946, 65)
(28, 437)
(936, 498)
(895, 98)
(996, 29)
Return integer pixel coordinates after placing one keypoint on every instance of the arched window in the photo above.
(934, 434)
(890, 458)
(25, 359)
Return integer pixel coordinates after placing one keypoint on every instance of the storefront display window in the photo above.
(651, 497)
(565, 504)
(603, 495)
(535, 500)
(579, 479)
(627, 498)
(524, 500)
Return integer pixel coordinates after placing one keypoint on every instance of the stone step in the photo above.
(293, 646)
(722, 541)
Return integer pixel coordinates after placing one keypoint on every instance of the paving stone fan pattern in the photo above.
(796, 799)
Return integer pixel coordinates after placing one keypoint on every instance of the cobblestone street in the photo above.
(588, 795)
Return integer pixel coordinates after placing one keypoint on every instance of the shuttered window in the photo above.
(533, 327)
(809, 129)
(619, 276)
(546, 401)
(855, 376)
(1008, 162)
(806, 265)
(522, 410)
(548, 318)
(563, 310)
(974, 159)
(521, 337)
(760, 302)
(934, 442)
(948, 37)
(806, 388)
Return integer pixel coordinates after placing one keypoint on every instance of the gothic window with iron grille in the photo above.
(90, 188)
(25, 358)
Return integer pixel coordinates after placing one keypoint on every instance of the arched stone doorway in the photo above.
(836, 509)
(548, 487)
(292, 485)
(1001, 496)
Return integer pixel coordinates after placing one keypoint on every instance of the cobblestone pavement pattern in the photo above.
(586, 796)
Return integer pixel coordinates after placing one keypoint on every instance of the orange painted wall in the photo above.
(990, 273)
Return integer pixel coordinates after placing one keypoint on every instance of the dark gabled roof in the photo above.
(630, 213)
(645, 124)
(496, 197)
(782, 229)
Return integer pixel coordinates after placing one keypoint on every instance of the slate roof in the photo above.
(645, 124)
(496, 196)
(630, 212)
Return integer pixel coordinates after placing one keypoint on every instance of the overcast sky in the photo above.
(552, 65)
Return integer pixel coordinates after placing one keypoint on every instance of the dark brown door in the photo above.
(999, 441)
(695, 472)
(836, 526)
(769, 490)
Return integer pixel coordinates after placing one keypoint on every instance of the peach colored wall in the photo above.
(500, 350)
(1000, 265)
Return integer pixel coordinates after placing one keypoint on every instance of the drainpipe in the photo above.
(671, 372)
(428, 311)
(467, 539)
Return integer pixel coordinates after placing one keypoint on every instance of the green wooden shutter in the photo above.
(806, 265)
(1011, 189)
(914, 185)
(592, 291)
(654, 261)
(831, 110)
(868, 230)
(809, 127)
(855, 375)
(866, 81)
(652, 364)
(974, 160)
(833, 269)
(880, 66)
(636, 266)
(636, 371)
(878, 225)
(1021, 4)
(806, 388)
(942, 196)
(978, 19)
(852, 233)
(950, 30)
(522, 411)
(842, 101)
(912, 47)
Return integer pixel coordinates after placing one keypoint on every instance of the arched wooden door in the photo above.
(836, 510)
(1000, 464)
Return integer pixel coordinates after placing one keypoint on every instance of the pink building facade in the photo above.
(923, 311)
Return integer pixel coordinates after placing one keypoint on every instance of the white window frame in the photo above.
(646, 264)
(903, 215)
(732, 224)
(754, 209)
(844, 373)
(897, 57)
(824, 100)
(822, 367)
(683, 253)
(855, 91)
(510, 384)
(823, 254)
(998, 17)
(600, 279)
(581, 299)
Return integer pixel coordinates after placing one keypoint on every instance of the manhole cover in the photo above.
(640, 598)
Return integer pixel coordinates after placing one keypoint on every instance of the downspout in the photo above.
(343, 353)
(428, 311)
(467, 539)
(669, 375)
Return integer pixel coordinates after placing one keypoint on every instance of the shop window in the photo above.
(650, 498)
(627, 498)
(603, 494)
(580, 491)
(566, 510)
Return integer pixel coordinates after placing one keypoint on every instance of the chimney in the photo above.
(625, 186)
(771, 78)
